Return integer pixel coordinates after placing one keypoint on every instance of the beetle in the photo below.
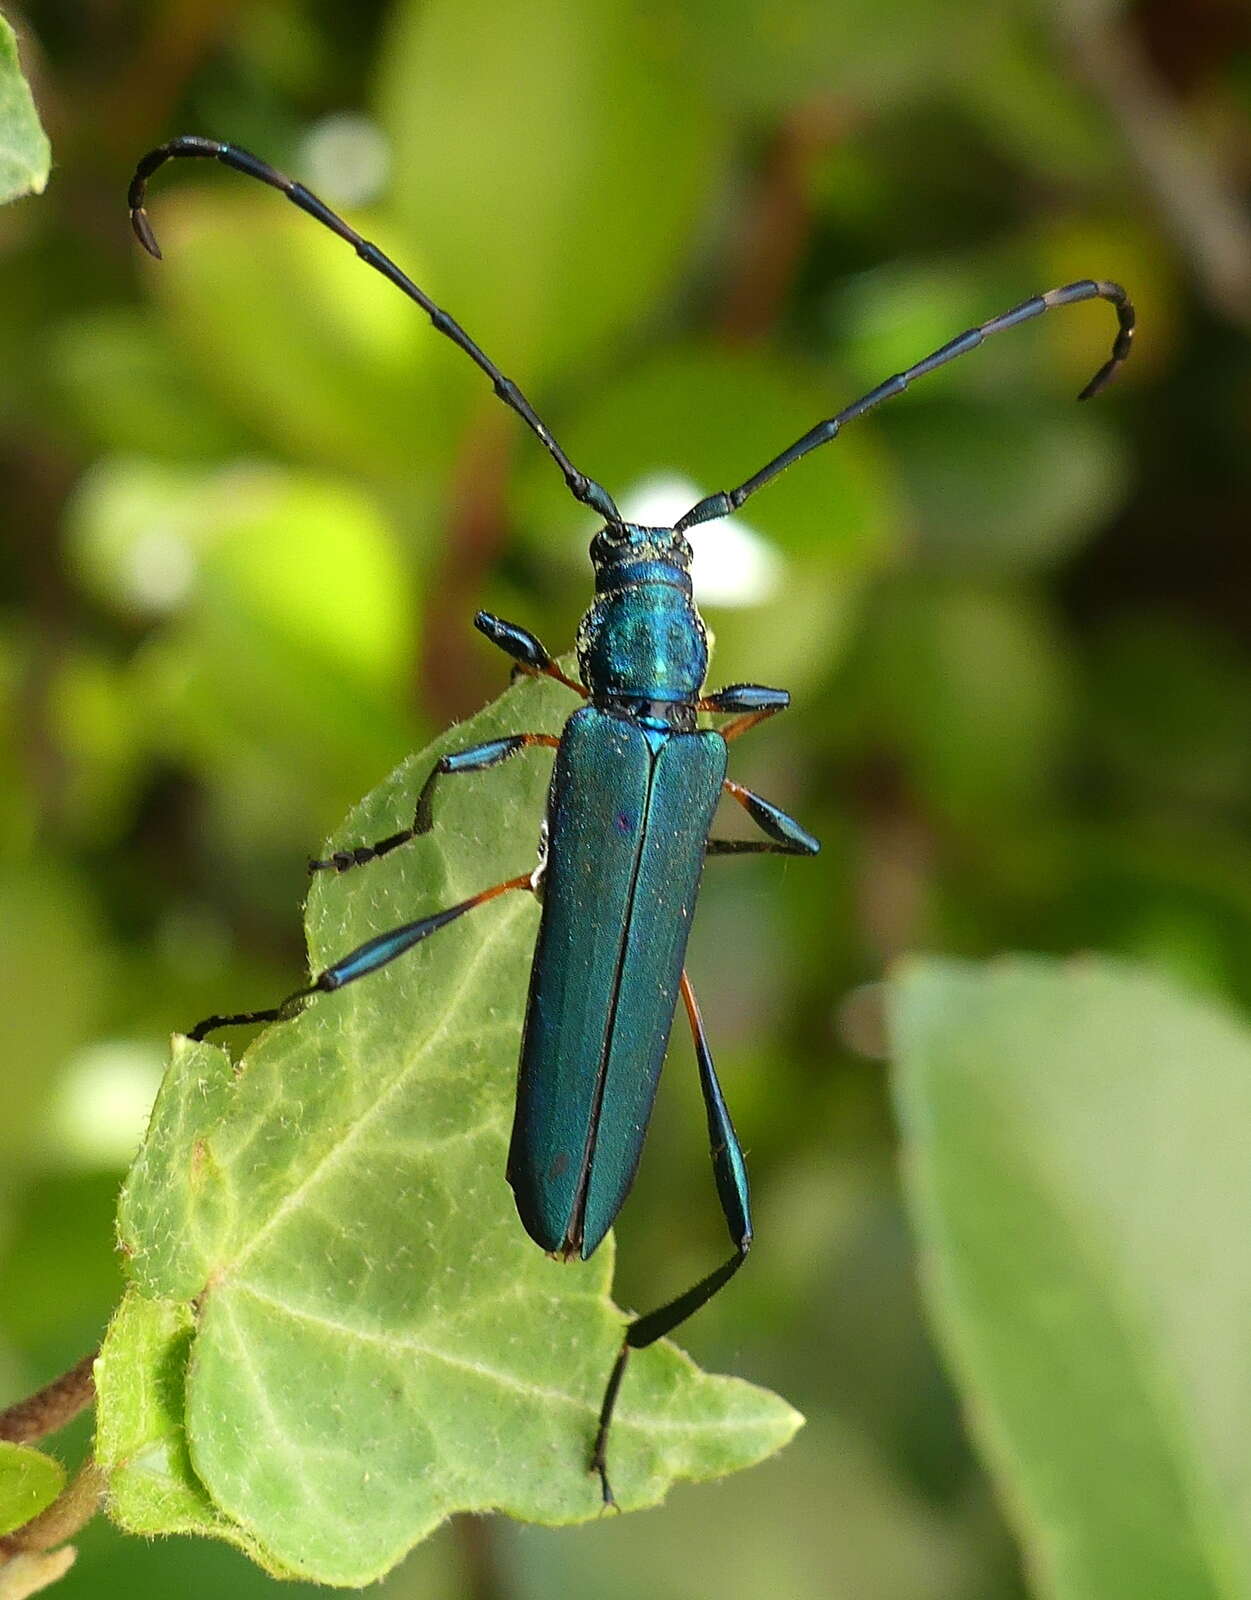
(634, 785)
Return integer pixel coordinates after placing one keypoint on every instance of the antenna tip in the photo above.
(143, 231)
(1100, 380)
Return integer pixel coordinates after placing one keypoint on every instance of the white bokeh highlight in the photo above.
(734, 565)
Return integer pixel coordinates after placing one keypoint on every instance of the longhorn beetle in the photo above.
(633, 790)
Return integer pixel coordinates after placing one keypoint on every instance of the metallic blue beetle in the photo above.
(633, 791)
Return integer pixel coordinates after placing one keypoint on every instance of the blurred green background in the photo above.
(252, 502)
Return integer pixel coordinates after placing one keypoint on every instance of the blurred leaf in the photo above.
(1176, 897)
(869, 54)
(1168, 703)
(889, 317)
(997, 490)
(1075, 1153)
(93, 715)
(131, 390)
(974, 690)
(1046, 120)
(364, 1297)
(29, 1482)
(19, 804)
(55, 968)
(285, 48)
(295, 334)
(25, 156)
(256, 676)
(553, 160)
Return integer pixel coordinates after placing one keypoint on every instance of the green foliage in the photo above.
(29, 1482)
(25, 155)
(329, 1257)
(516, 165)
(141, 1440)
(971, 685)
(289, 333)
(1074, 1143)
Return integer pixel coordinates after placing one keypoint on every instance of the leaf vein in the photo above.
(341, 1146)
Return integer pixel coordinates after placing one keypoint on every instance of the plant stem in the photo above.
(51, 1407)
(480, 1557)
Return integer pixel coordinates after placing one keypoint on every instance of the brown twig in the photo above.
(51, 1407)
(777, 221)
(1199, 202)
(147, 89)
(480, 1558)
(29, 1574)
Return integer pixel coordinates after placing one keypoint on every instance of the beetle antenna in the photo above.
(580, 486)
(729, 500)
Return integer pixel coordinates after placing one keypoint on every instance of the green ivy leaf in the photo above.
(25, 155)
(1075, 1149)
(29, 1482)
(141, 1377)
(373, 1342)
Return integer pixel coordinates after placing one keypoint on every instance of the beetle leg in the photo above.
(756, 700)
(789, 838)
(730, 1172)
(476, 759)
(366, 958)
(530, 655)
(552, 671)
(750, 847)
